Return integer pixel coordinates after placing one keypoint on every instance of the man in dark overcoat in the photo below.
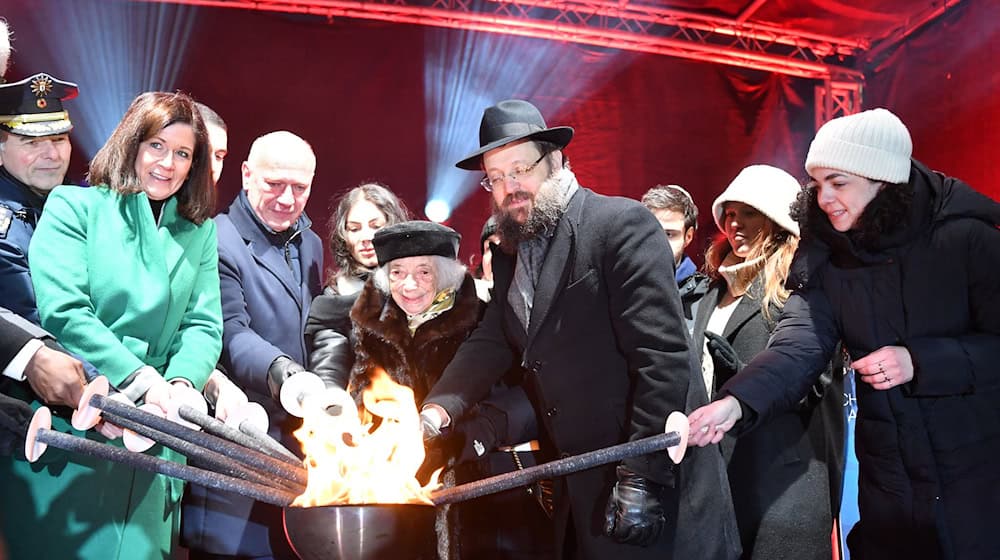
(270, 268)
(581, 303)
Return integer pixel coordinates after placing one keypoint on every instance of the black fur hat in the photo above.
(414, 239)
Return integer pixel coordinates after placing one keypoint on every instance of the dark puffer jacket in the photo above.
(383, 339)
(928, 280)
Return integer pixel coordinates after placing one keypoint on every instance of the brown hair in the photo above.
(384, 199)
(151, 112)
(674, 198)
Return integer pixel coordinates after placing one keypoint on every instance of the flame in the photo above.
(363, 456)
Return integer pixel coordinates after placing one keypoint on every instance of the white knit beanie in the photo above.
(873, 144)
(768, 189)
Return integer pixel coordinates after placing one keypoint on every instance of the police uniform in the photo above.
(31, 107)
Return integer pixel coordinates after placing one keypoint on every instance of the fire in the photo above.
(350, 460)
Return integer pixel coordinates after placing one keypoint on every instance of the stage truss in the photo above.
(636, 26)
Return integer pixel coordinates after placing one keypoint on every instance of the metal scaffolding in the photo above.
(621, 25)
(641, 26)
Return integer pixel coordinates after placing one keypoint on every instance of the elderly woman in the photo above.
(415, 310)
(360, 213)
(126, 274)
(783, 507)
(410, 318)
(901, 264)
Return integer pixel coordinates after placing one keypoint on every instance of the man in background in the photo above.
(678, 216)
(218, 139)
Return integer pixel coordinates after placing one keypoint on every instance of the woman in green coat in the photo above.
(126, 275)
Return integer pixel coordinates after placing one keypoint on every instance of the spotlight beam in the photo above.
(746, 45)
(144, 53)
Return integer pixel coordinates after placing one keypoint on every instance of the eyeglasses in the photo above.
(496, 181)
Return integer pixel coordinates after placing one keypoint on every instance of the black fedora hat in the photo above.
(509, 121)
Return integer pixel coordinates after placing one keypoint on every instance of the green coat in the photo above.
(122, 291)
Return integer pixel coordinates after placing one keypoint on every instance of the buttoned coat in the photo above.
(608, 360)
(123, 289)
(264, 310)
(780, 473)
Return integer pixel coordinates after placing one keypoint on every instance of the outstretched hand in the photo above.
(224, 395)
(57, 378)
(711, 422)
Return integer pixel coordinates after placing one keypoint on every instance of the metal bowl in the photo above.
(362, 532)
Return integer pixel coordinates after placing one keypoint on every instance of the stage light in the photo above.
(113, 51)
(437, 210)
(467, 71)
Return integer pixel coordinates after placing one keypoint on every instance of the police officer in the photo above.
(34, 157)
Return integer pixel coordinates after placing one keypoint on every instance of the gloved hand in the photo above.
(726, 361)
(14, 417)
(430, 425)
(281, 369)
(437, 445)
(634, 514)
(223, 394)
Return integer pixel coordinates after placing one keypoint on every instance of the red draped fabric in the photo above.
(355, 90)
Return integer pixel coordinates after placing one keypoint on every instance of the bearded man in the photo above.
(581, 302)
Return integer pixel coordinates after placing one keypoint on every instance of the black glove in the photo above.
(281, 369)
(727, 362)
(14, 417)
(634, 514)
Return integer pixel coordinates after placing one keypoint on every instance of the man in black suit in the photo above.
(581, 301)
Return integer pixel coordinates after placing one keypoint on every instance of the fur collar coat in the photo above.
(383, 339)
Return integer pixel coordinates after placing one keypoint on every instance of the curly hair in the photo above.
(886, 212)
(385, 200)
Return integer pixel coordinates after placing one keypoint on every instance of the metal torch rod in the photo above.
(268, 441)
(247, 456)
(258, 440)
(206, 456)
(559, 467)
(143, 462)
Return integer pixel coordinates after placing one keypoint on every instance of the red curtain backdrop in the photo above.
(944, 84)
(354, 89)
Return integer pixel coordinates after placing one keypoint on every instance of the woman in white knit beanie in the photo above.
(783, 508)
(901, 264)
